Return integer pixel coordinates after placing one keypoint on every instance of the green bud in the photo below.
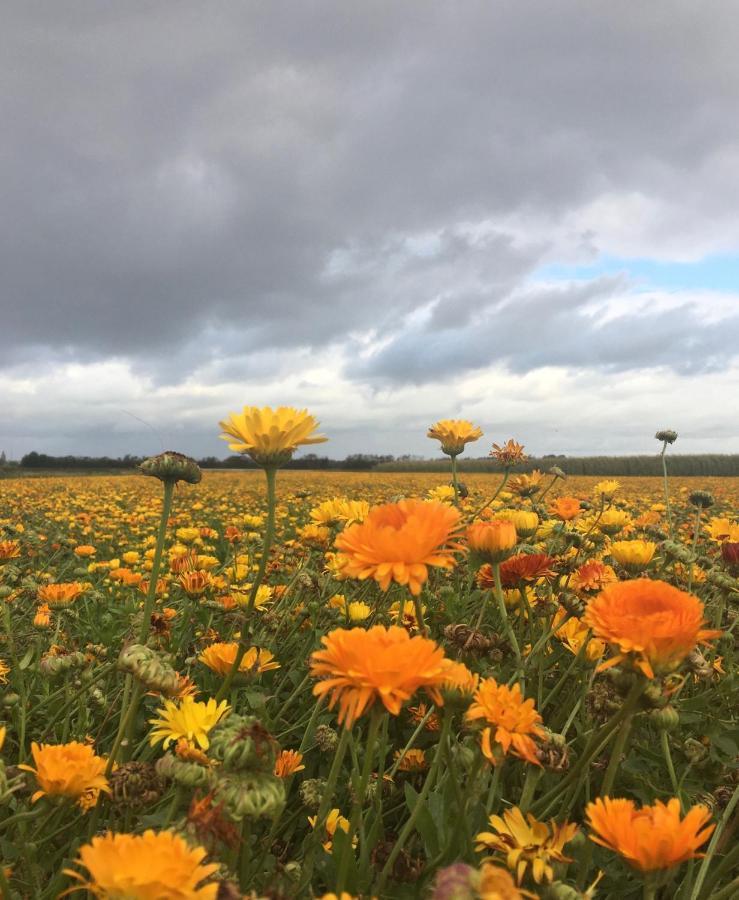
(250, 795)
(172, 467)
(666, 719)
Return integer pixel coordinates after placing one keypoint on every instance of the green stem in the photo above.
(269, 534)
(504, 615)
(711, 851)
(455, 484)
(665, 742)
(667, 490)
(730, 892)
(622, 737)
(157, 562)
(696, 531)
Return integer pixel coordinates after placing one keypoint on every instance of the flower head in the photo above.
(566, 508)
(58, 595)
(653, 837)
(220, 658)
(527, 842)
(67, 770)
(633, 555)
(190, 719)
(358, 668)
(9, 550)
(509, 453)
(515, 720)
(527, 485)
(398, 541)
(454, 434)
(526, 567)
(288, 763)
(270, 436)
(145, 867)
(652, 622)
(492, 540)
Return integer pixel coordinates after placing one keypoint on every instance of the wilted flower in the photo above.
(509, 453)
(172, 467)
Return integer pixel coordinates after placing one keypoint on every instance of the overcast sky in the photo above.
(522, 213)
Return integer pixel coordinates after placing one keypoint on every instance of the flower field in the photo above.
(289, 684)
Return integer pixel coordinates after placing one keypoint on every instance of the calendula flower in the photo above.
(454, 434)
(359, 668)
(220, 658)
(413, 760)
(606, 489)
(288, 763)
(525, 520)
(508, 454)
(494, 883)
(398, 542)
(195, 583)
(566, 508)
(592, 576)
(67, 770)
(444, 493)
(403, 613)
(723, 529)
(527, 842)
(9, 550)
(189, 719)
(573, 634)
(493, 540)
(653, 837)
(650, 622)
(85, 550)
(270, 436)
(4, 669)
(633, 555)
(334, 820)
(59, 595)
(611, 521)
(42, 619)
(514, 719)
(144, 867)
(525, 568)
(527, 485)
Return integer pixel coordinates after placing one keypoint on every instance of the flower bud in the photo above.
(188, 774)
(172, 467)
(149, 669)
(666, 719)
(492, 541)
(456, 882)
(668, 436)
(311, 792)
(250, 796)
(326, 738)
(242, 743)
(701, 499)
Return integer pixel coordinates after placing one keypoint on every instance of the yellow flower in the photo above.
(288, 763)
(3, 732)
(359, 611)
(67, 770)
(85, 550)
(270, 436)
(454, 434)
(573, 634)
(189, 719)
(606, 489)
(220, 658)
(526, 522)
(148, 866)
(492, 540)
(527, 843)
(335, 820)
(633, 555)
(613, 520)
(4, 669)
(443, 494)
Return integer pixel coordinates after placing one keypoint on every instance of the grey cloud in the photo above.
(174, 171)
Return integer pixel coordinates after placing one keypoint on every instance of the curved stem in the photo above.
(156, 564)
(504, 615)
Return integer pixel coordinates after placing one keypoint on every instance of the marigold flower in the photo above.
(566, 508)
(288, 763)
(633, 555)
(495, 883)
(42, 619)
(413, 760)
(220, 658)
(492, 540)
(9, 550)
(606, 489)
(651, 622)
(525, 520)
(527, 842)
(358, 668)
(573, 634)
(515, 720)
(454, 434)
(4, 669)
(59, 595)
(509, 453)
(145, 866)
(527, 485)
(190, 719)
(334, 820)
(85, 550)
(67, 770)
(612, 521)
(653, 837)
(196, 583)
(270, 436)
(398, 541)
(592, 576)
(526, 567)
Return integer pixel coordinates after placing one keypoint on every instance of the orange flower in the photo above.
(85, 550)
(652, 622)
(386, 664)
(509, 453)
(220, 658)
(9, 550)
(566, 508)
(67, 770)
(398, 541)
(60, 594)
(492, 540)
(592, 576)
(526, 567)
(42, 619)
(196, 583)
(653, 837)
(288, 762)
(514, 718)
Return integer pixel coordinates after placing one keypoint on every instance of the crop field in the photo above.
(368, 685)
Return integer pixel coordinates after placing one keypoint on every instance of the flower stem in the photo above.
(667, 490)
(156, 564)
(710, 852)
(510, 633)
(629, 708)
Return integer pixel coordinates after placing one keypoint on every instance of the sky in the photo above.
(523, 214)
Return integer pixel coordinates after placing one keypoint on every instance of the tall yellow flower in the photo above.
(527, 842)
(145, 867)
(653, 837)
(633, 555)
(358, 668)
(190, 719)
(515, 720)
(398, 541)
(220, 657)
(651, 622)
(67, 770)
(270, 436)
(454, 434)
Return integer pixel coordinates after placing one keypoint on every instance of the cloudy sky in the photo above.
(526, 214)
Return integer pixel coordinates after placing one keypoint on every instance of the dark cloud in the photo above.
(188, 184)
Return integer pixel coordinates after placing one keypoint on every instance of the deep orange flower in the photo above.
(509, 453)
(9, 550)
(566, 508)
(526, 567)
(398, 541)
(515, 720)
(67, 770)
(60, 594)
(652, 622)
(220, 658)
(196, 583)
(492, 540)
(288, 763)
(653, 837)
(592, 575)
(359, 667)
